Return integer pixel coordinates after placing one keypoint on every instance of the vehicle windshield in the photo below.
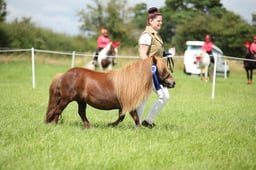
(194, 47)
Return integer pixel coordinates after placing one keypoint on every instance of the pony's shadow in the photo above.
(94, 125)
(122, 125)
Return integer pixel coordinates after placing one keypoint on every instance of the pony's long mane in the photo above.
(133, 84)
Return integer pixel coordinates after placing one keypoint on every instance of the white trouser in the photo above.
(163, 97)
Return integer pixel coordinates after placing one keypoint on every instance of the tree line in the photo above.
(182, 20)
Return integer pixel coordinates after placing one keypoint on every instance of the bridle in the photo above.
(164, 78)
(170, 64)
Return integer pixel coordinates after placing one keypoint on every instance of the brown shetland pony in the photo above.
(123, 89)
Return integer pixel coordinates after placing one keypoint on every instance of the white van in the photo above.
(194, 48)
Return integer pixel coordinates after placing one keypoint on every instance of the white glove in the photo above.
(160, 93)
(172, 52)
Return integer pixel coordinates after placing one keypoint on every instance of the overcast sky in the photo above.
(61, 15)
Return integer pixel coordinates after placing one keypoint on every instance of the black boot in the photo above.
(148, 125)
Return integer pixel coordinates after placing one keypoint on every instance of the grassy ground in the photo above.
(193, 131)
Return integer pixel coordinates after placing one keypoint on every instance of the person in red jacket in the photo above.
(102, 42)
(253, 46)
(207, 47)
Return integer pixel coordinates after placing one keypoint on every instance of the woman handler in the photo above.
(151, 44)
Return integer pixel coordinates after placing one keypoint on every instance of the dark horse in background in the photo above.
(124, 89)
(248, 64)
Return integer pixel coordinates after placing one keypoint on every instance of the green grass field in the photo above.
(193, 131)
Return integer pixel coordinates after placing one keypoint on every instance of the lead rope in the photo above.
(170, 63)
(155, 78)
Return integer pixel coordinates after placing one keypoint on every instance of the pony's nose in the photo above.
(172, 84)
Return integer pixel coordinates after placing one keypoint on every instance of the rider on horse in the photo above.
(253, 47)
(250, 51)
(102, 42)
(207, 47)
(247, 46)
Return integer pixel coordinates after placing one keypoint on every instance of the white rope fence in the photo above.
(236, 58)
(74, 54)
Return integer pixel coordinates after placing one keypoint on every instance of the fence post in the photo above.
(225, 69)
(73, 59)
(214, 76)
(33, 67)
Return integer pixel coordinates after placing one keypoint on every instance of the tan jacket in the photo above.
(156, 48)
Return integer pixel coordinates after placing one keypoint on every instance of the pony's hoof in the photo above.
(87, 125)
(249, 82)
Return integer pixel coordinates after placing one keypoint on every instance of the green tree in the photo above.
(113, 15)
(139, 15)
(228, 32)
(192, 19)
(92, 17)
(4, 37)
(115, 19)
(178, 12)
(3, 11)
(254, 19)
(25, 34)
(231, 32)
(203, 6)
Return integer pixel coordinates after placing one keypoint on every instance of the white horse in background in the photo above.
(203, 61)
(106, 57)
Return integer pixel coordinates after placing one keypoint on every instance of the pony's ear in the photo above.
(116, 44)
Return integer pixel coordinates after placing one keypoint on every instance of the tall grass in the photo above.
(193, 131)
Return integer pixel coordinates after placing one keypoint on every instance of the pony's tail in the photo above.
(54, 98)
